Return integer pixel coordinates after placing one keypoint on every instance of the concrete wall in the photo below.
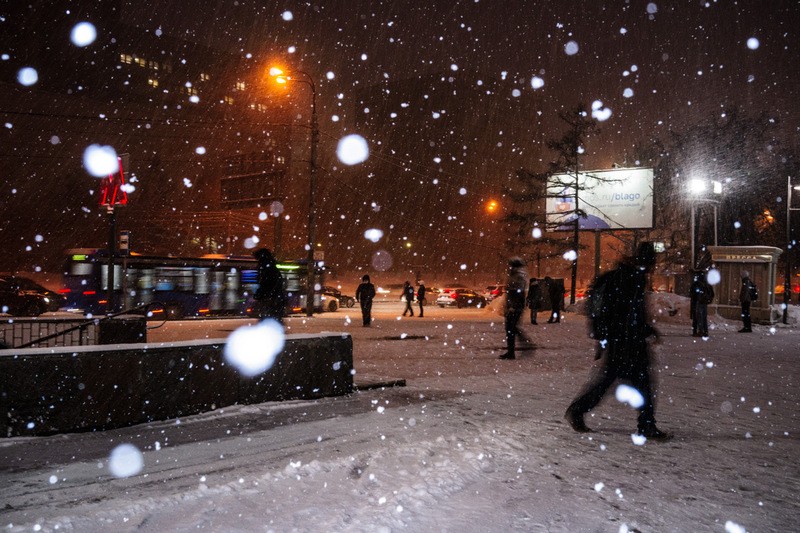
(58, 390)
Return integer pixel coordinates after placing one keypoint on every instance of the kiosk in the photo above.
(762, 263)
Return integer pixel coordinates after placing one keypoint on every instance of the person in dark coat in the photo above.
(365, 293)
(701, 294)
(515, 305)
(408, 293)
(556, 293)
(271, 292)
(534, 298)
(626, 353)
(746, 299)
(421, 297)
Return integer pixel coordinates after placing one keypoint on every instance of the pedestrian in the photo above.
(626, 354)
(421, 297)
(408, 295)
(701, 294)
(365, 293)
(534, 299)
(556, 292)
(515, 304)
(271, 292)
(747, 295)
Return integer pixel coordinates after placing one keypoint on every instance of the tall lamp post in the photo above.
(697, 188)
(787, 282)
(282, 78)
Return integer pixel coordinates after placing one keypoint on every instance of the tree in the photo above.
(564, 174)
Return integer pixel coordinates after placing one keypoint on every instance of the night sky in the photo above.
(444, 93)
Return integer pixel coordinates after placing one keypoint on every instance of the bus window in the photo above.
(231, 288)
(202, 281)
(117, 277)
(80, 269)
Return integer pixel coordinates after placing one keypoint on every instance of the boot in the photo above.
(576, 422)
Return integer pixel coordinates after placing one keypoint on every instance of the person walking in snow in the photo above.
(746, 298)
(556, 292)
(365, 293)
(408, 294)
(515, 304)
(534, 298)
(702, 294)
(626, 354)
(271, 293)
(421, 297)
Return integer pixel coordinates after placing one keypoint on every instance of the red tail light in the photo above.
(89, 293)
(64, 291)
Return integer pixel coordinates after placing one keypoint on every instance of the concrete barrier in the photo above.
(66, 389)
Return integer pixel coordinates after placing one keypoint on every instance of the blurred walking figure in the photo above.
(271, 294)
(701, 294)
(421, 297)
(556, 293)
(515, 304)
(621, 326)
(534, 299)
(365, 293)
(408, 292)
(747, 295)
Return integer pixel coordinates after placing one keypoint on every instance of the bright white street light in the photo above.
(697, 186)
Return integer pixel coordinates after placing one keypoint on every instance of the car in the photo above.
(344, 300)
(493, 291)
(24, 297)
(458, 297)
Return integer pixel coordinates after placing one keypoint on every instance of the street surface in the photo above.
(471, 443)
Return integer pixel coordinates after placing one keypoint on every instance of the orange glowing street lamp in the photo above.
(282, 78)
(492, 206)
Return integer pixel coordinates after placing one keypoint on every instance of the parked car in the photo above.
(24, 297)
(493, 291)
(344, 300)
(458, 297)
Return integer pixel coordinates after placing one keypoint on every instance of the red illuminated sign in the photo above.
(112, 190)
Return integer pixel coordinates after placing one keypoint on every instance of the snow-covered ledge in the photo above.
(66, 389)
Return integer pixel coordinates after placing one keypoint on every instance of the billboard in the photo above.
(620, 198)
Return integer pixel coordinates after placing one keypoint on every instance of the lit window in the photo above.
(139, 61)
(228, 100)
(152, 82)
(204, 77)
(240, 86)
(126, 58)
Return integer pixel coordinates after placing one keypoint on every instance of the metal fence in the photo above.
(15, 332)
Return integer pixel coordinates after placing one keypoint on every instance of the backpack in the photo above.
(707, 295)
(753, 291)
(600, 305)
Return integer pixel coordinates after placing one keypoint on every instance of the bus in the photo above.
(178, 287)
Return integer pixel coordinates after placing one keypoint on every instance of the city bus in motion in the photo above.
(181, 286)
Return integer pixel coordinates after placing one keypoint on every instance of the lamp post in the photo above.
(697, 187)
(282, 78)
(787, 282)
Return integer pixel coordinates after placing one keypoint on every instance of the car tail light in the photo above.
(64, 291)
(89, 293)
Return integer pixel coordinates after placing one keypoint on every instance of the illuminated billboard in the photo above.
(621, 198)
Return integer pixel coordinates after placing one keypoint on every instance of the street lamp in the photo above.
(282, 77)
(697, 188)
(787, 282)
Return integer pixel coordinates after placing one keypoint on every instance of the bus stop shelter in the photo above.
(762, 264)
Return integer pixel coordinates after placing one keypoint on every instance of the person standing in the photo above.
(702, 294)
(271, 294)
(365, 293)
(408, 294)
(421, 297)
(556, 292)
(746, 298)
(534, 299)
(626, 352)
(515, 304)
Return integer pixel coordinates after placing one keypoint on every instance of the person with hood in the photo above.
(515, 304)
(408, 295)
(626, 354)
(534, 299)
(271, 292)
(365, 293)
(746, 293)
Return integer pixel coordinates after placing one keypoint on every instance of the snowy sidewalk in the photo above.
(471, 443)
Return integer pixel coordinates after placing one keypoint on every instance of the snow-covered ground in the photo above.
(472, 443)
